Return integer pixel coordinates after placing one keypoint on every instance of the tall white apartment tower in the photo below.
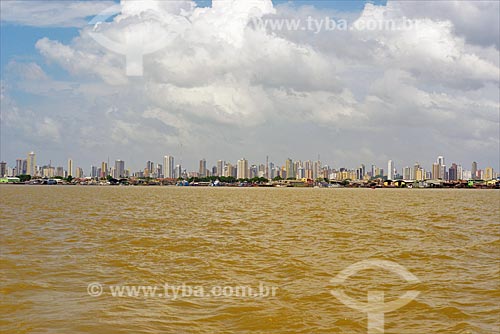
(390, 170)
(242, 171)
(168, 167)
(70, 168)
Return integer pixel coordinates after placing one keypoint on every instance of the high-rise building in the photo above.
(466, 175)
(93, 171)
(488, 173)
(460, 175)
(168, 167)
(104, 170)
(359, 173)
(48, 171)
(272, 171)
(19, 167)
(452, 172)
(407, 173)
(420, 174)
(79, 172)
(289, 169)
(228, 169)
(442, 173)
(416, 167)
(301, 173)
(70, 168)
(220, 168)
(390, 170)
(60, 171)
(31, 164)
(435, 170)
(150, 166)
(266, 170)
(316, 169)
(119, 169)
(178, 171)
(3, 169)
(159, 170)
(242, 170)
(473, 171)
(253, 172)
(203, 168)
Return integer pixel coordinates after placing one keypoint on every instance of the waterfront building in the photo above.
(460, 175)
(178, 171)
(390, 170)
(420, 174)
(203, 168)
(488, 173)
(359, 173)
(289, 168)
(3, 169)
(168, 167)
(242, 169)
(48, 171)
(31, 164)
(474, 170)
(20, 167)
(104, 170)
(150, 166)
(407, 173)
(436, 170)
(452, 172)
(253, 172)
(220, 168)
(272, 171)
(93, 171)
(159, 171)
(59, 171)
(70, 167)
(119, 170)
(301, 173)
(79, 173)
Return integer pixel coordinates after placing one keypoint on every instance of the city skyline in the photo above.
(245, 169)
(241, 90)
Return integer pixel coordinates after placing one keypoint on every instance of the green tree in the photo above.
(24, 177)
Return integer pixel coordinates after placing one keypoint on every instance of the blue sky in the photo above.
(18, 42)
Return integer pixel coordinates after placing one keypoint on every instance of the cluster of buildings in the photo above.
(242, 169)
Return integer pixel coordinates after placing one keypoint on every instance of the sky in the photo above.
(209, 79)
